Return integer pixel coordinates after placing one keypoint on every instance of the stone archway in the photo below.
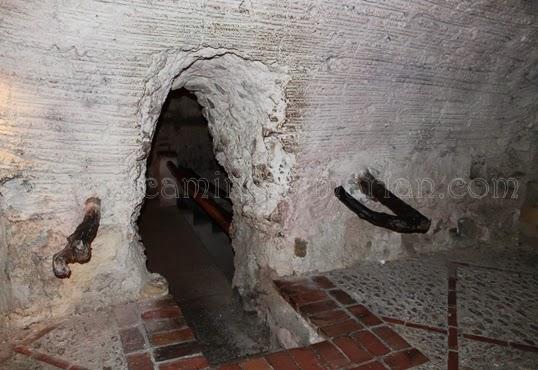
(245, 106)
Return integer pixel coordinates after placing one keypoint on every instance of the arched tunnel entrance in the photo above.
(237, 108)
(183, 225)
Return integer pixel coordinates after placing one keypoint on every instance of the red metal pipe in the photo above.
(213, 210)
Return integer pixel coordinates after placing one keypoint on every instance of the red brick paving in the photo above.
(170, 337)
(371, 366)
(307, 297)
(306, 358)
(323, 282)
(289, 288)
(405, 359)
(158, 326)
(342, 297)
(192, 363)
(38, 334)
(365, 316)
(328, 317)
(452, 338)
(255, 364)
(164, 302)
(127, 315)
(353, 350)
(312, 308)
(330, 355)
(355, 337)
(139, 361)
(229, 367)
(161, 321)
(452, 320)
(452, 316)
(22, 349)
(371, 343)
(282, 360)
(389, 336)
(392, 320)
(453, 362)
(54, 361)
(162, 313)
(132, 339)
(341, 328)
(178, 350)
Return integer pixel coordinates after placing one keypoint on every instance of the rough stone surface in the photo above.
(508, 308)
(432, 344)
(489, 319)
(412, 290)
(21, 362)
(5, 292)
(299, 96)
(484, 356)
(89, 340)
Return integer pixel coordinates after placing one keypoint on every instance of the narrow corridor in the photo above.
(201, 289)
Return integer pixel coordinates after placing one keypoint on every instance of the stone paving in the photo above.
(142, 335)
(467, 310)
(154, 335)
(471, 309)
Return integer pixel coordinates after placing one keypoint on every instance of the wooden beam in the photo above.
(78, 248)
(406, 219)
(210, 207)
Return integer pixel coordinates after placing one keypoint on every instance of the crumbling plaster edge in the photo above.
(165, 68)
(153, 97)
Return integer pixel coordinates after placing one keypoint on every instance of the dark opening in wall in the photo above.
(184, 227)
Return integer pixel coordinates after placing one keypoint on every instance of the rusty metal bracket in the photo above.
(78, 247)
(406, 219)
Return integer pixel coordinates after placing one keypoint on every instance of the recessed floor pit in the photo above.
(184, 225)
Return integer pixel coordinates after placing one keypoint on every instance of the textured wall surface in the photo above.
(299, 95)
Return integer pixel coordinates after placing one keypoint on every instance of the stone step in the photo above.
(216, 242)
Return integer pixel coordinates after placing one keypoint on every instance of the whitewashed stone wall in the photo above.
(409, 89)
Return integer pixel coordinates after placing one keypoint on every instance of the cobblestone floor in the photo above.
(467, 310)
(472, 309)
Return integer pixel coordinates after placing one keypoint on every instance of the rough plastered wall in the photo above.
(429, 88)
(5, 292)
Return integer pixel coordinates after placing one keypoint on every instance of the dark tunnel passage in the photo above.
(183, 238)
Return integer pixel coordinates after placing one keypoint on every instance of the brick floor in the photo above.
(171, 337)
(282, 360)
(355, 337)
(155, 336)
(191, 363)
(487, 301)
(132, 339)
(139, 361)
